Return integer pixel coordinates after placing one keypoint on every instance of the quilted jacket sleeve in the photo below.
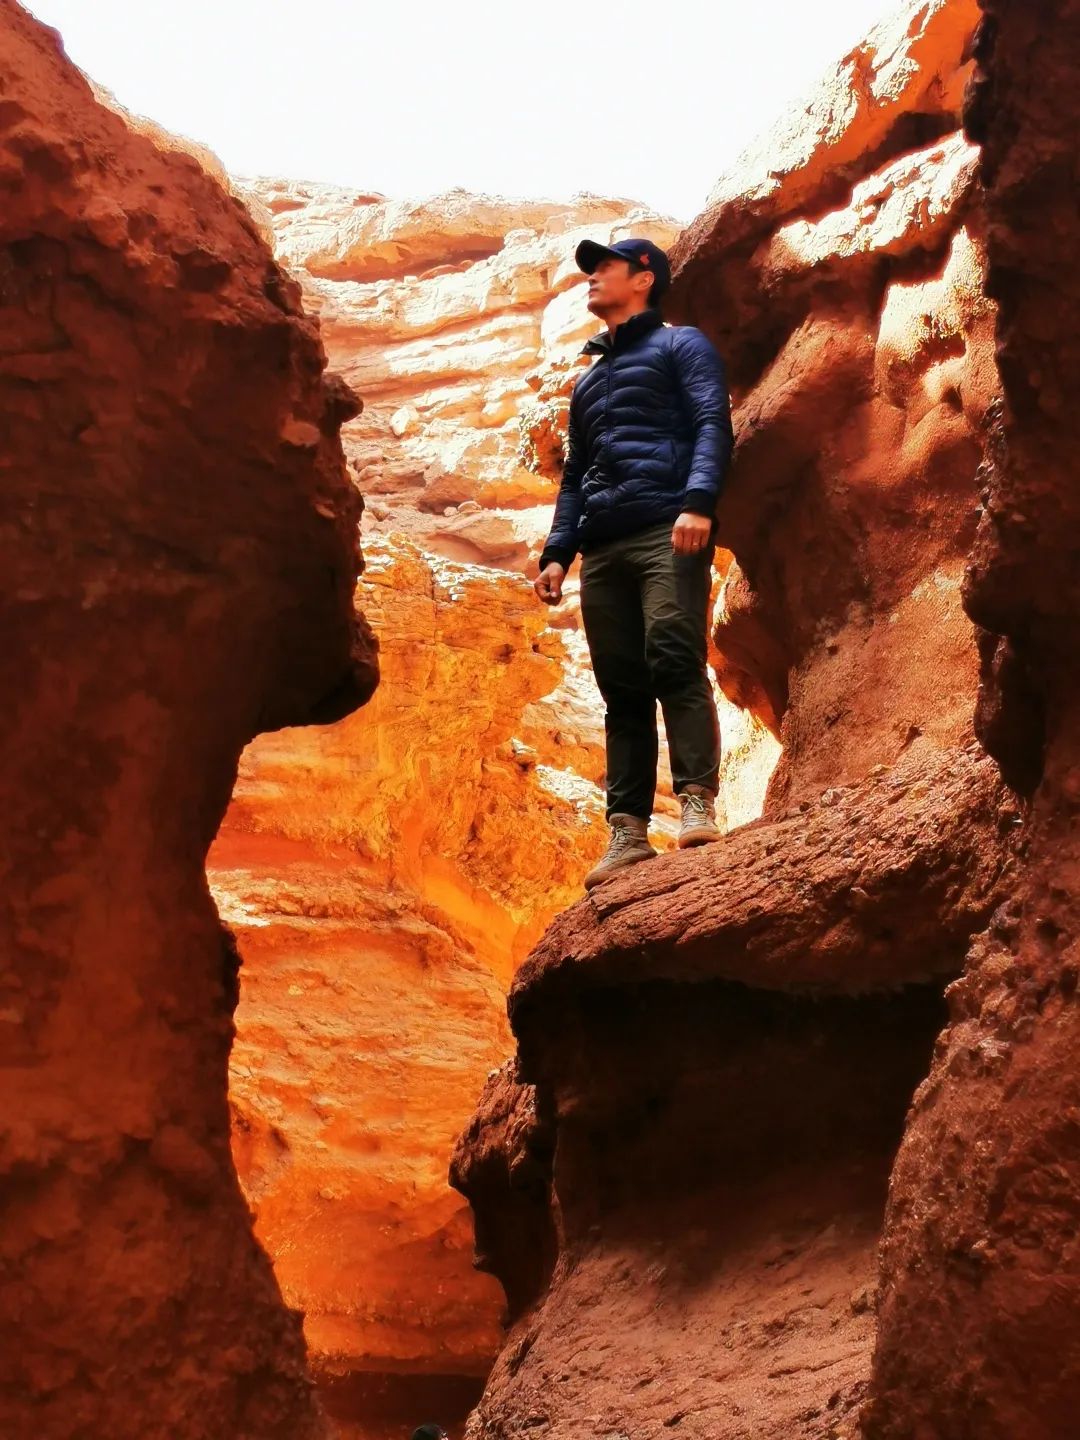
(562, 544)
(704, 386)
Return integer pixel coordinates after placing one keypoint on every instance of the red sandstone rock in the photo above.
(179, 550)
(877, 886)
(364, 1021)
(464, 802)
(980, 1316)
(436, 310)
(502, 1162)
(384, 877)
(722, 1045)
(882, 98)
(720, 1173)
(850, 305)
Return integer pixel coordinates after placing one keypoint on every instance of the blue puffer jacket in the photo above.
(649, 435)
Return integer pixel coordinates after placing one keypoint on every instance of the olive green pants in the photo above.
(645, 611)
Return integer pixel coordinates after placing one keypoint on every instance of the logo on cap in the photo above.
(644, 258)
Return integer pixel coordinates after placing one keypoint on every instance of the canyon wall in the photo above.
(980, 1317)
(385, 877)
(439, 312)
(841, 265)
(683, 1177)
(682, 1180)
(179, 552)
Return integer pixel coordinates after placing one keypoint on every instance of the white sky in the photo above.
(645, 100)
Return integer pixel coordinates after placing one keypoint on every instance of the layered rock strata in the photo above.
(384, 877)
(381, 877)
(716, 1052)
(438, 311)
(179, 553)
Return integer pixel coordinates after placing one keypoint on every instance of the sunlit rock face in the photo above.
(439, 310)
(841, 267)
(384, 879)
(381, 878)
(178, 547)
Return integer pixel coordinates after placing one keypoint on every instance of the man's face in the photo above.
(614, 285)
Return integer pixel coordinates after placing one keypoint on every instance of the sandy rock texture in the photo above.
(682, 1183)
(381, 876)
(384, 877)
(716, 1052)
(980, 1316)
(842, 269)
(179, 553)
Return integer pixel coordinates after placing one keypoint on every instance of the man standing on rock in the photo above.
(648, 447)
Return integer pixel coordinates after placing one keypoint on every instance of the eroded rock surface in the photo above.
(717, 1051)
(842, 269)
(382, 876)
(980, 1317)
(385, 877)
(464, 804)
(725, 1045)
(178, 542)
(437, 311)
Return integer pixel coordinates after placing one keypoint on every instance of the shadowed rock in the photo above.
(178, 543)
(980, 1317)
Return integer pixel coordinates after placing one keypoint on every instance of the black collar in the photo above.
(626, 333)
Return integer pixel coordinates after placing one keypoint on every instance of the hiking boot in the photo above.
(629, 844)
(698, 825)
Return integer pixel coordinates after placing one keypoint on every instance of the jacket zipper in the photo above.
(608, 462)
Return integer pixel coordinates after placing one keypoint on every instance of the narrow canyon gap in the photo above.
(683, 1179)
(386, 876)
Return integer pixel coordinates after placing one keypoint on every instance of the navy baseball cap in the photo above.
(642, 253)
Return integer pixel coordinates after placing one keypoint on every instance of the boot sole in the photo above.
(699, 837)
(609, 874)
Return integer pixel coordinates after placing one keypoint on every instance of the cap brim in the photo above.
(590, 252)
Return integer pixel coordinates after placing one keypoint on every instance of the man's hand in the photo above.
(691, 533)
(548, 584)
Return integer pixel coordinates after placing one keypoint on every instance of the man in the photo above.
(430, 1432)
(648, 447)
